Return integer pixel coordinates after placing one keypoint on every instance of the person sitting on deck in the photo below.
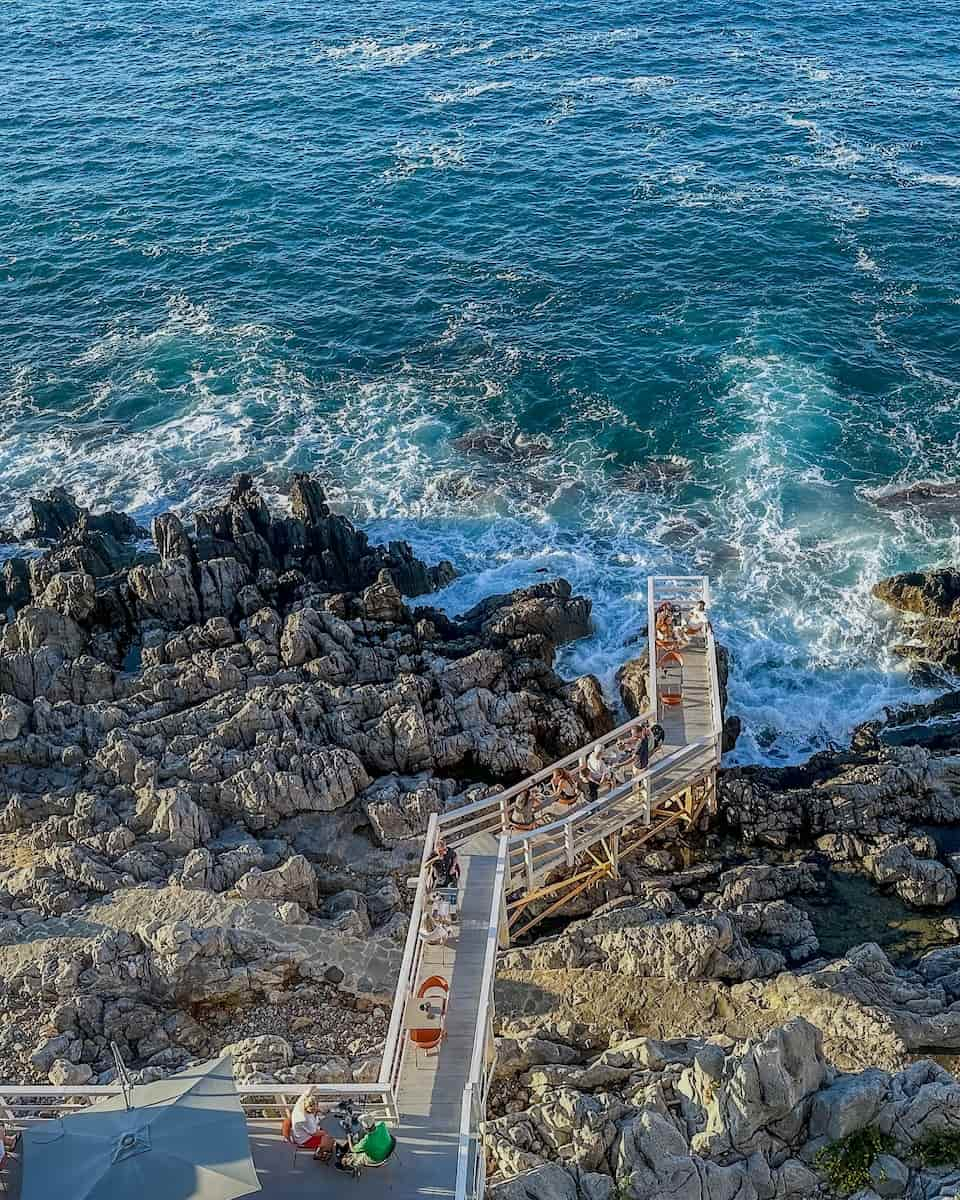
(305, 1128)
(433, 931)
(697, 620)
(562, 787)
(445, 867)
(665, 624)
(523, 812)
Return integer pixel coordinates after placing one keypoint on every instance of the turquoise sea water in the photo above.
(341, 237)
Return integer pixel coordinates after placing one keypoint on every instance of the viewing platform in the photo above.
(440, 1048)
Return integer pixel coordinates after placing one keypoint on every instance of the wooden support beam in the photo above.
(549, 889)
(595, 878)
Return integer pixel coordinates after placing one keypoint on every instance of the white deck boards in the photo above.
(432, 1086)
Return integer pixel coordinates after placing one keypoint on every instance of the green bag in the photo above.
(377, 1144)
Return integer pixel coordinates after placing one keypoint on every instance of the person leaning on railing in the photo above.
(444, 865)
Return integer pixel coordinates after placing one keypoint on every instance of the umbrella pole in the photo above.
(122, 1076)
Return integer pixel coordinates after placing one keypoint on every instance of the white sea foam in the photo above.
(471, 48)
(469, 91)
(423, 155)
(935, 179)
(645, 84)
(865, 263)
(369, 53)
(792, 568)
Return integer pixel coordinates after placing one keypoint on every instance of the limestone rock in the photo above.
(633, 680)
(294, 881)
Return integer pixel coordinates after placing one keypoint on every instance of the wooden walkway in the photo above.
(439, 1139)
(431, 1089)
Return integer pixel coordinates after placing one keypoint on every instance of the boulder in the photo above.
(633, 680)
(294, 881)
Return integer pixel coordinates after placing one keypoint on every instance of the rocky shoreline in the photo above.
(218, 753)
(220, 743)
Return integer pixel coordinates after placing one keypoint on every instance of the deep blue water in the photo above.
(286, 235)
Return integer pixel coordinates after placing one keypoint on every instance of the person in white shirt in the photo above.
(697, 620)
(305, 1126)
(596, 766)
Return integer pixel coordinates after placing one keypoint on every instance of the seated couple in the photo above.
(374, 1147)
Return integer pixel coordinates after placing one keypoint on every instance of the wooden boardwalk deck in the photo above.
(430, 1095)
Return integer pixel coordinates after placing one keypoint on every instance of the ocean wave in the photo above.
(402, 454)
(470, 48)
(423, 155)
(369, 53)
(469, 91)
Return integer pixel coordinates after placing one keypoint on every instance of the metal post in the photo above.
(615, 854)
(647, 789)
(528, 861)
(568, 843)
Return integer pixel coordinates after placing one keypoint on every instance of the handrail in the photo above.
(476, 1078)
(392, 1060)
(715, 693)
(617, 793)
(499, 799)
(35, 1102)
(652, 645)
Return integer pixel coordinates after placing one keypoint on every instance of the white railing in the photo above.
(492, 813)
(471, 1167)
(395, 1045)
(533, 852)
(33, 1102)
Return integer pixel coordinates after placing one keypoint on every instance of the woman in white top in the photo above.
(305, 1126)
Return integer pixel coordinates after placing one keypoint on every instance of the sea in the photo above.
(580, 289)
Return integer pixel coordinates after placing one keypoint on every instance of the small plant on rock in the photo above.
(846, 1163)
(941, 1149)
